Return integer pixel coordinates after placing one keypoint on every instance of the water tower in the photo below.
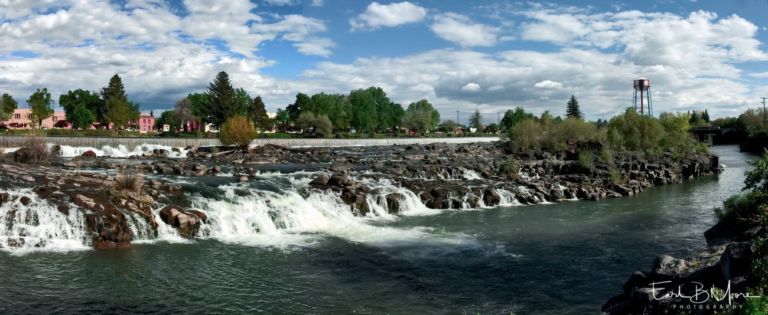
(643, 88)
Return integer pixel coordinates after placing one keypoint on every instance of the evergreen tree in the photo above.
(705, 116)
(40, 103)
(476, 120)
(220, 99)
(7, 106)
(258, 114)
(573, 110)
(694, 120)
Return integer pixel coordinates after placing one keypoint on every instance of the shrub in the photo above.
(586, 159)
(526, 134)
(616, 177)
(34, 151)
(607, 156)
(133, 182)
(510, 168)
(317, 125)
(237, 130)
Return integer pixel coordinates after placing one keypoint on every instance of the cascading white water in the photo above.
(39, 226)
(508, 198)
(122, 151)
(287, 218)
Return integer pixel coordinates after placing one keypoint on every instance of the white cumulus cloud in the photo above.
(548, 84)
(462, 30)
(471, 87)
(379, 15)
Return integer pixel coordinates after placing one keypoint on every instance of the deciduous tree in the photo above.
(40, 103)
(7, 106)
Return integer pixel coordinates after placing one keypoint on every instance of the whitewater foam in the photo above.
(39, 226)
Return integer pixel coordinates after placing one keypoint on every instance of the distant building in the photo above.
(22, 119)
(146, 123)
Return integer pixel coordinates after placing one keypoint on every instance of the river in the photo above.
(565, 258)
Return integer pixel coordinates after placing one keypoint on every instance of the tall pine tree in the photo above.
(220, 100)
(573, 110)
(258, 114)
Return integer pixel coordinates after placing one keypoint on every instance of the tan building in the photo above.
(22, 119)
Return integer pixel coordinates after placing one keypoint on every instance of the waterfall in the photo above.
(39, 225)
(121, 151)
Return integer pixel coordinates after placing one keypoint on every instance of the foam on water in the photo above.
(122, 151)
(39, 226)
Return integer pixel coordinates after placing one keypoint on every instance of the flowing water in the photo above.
(270, 248)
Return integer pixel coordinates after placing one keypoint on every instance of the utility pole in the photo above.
(764, 120)
(457, 117)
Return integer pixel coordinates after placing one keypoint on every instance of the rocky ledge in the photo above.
(443, 176)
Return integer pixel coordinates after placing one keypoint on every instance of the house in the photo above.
(146, 123)
(22, 119)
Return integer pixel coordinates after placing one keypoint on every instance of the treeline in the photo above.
(629, 131)
(82, 107)
(365, 110)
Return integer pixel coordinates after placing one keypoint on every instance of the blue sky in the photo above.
(460, 55)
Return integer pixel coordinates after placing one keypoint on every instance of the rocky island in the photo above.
(119, 200)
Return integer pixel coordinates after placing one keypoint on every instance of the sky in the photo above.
(460, 55)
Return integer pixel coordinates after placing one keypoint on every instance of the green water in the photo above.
(564, 258)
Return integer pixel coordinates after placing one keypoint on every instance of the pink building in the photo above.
(146, 123)
(22, 119)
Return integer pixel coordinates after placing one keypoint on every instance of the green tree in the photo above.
(258, 114)
(632, 131)
(114, 89)
(512, 117)
(199, 106)
(317, 125)
(73, 99)
(121, 113)
(7, 106)
(448, 125)
(705, 116)
(223, 102)
(476, 120)
(168, 118)
(81, 117)
(40, 103)
(421, 116)
(364, 115)
(336, 106)
(572, 110)
(283, 118)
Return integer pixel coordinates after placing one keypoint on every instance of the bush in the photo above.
(34, 151)
(239, 131)
(510, 168)
(586, 159)
(319, 125)
(526, 134)
(132, 182)
(607, 156)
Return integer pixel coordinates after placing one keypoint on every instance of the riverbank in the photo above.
(556, 258)
(117, 201)
(724, 276)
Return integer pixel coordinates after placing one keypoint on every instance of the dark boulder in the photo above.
(186, 223)
(89, 154)
(394, 203)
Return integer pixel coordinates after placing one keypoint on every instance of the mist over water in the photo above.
(271, 247)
